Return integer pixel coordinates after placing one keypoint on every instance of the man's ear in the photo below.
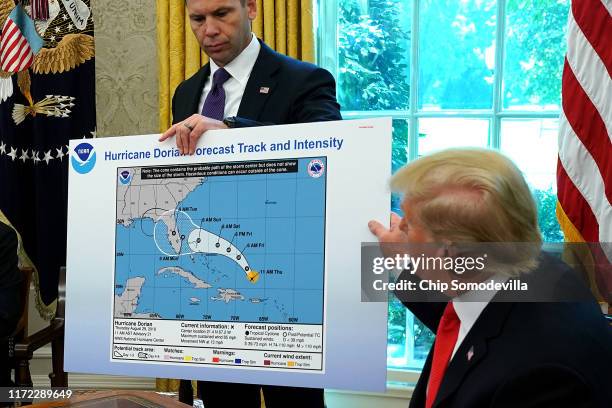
(447, 249)
(251, 6)
(451, 249)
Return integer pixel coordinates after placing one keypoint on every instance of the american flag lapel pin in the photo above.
(264, 90)
(470, 353)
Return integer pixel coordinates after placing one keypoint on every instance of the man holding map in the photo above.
(245, 84)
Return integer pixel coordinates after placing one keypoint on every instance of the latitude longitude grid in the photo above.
(237, 180)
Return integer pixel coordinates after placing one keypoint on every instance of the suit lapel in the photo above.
(260, 85)
(196, 92)
(187, 98)
(473, 348)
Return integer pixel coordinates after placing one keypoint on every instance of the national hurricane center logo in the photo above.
(125, 177)
(316, 168)
(85, 158)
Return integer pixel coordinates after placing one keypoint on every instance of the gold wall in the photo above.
(126, 67)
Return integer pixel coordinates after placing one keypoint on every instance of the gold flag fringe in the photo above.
(45, 311)
(578, 253)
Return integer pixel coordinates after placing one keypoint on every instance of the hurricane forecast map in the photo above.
(221, 263)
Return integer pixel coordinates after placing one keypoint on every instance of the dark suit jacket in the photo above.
(10, 280)
(298, 92)
(526, 354)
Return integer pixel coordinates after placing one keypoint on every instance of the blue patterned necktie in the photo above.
(214, 105)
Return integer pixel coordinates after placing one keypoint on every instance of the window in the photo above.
(452, 73)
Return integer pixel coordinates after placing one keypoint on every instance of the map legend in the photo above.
(221, 263)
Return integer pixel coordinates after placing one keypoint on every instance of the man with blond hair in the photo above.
(245, 83)
(492, 348)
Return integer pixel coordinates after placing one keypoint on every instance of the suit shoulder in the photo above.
(548, 330)
(299, 68)
(549, 384)
(293, 63)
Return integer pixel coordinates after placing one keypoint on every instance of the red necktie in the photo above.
(446, 337)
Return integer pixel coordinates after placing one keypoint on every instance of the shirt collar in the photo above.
(240, 67)
(470, 305)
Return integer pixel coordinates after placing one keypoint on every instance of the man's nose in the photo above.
(211, 29)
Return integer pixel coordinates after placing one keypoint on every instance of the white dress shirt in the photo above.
(240, 70)
(468, 310)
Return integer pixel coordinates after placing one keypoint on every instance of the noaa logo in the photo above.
(125, 177)
(316, 168)
(85, 158)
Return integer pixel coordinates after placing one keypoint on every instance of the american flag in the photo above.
(19, 42)
(41, 108)
(584, 171)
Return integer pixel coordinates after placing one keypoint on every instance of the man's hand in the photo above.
(392, 234)
(190, 130)
(389, 236)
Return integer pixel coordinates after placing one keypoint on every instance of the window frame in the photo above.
(327, 57)
(400, 381)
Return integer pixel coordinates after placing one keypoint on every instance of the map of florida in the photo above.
(200, 240)
(158, 199)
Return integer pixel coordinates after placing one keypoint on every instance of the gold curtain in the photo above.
(285, 25)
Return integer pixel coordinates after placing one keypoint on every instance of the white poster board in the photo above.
(240, 263)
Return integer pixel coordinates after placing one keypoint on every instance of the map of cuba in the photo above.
(241, 241)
